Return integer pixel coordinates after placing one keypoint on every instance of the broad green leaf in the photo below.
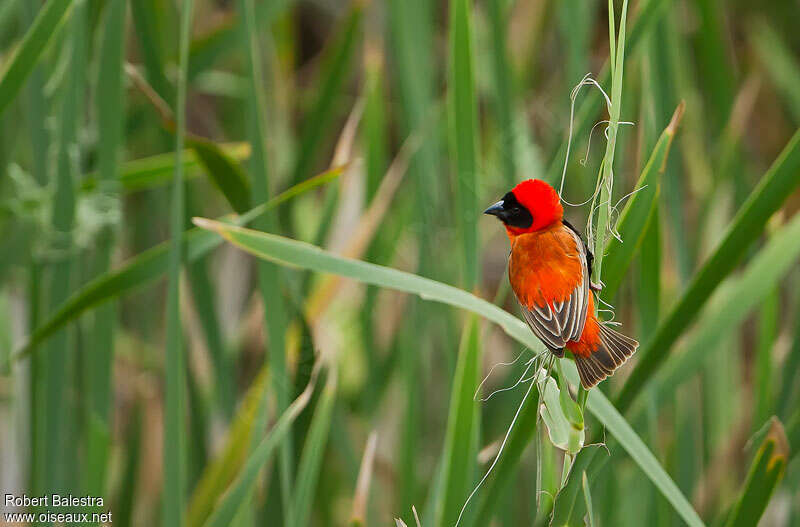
(773, 189)
(563, 434)
(460, 446)
(298, 254)
(27, 55)
(765, 474)
(571, 410)
(151, 264)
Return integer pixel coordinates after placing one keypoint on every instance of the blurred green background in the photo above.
(158, 369)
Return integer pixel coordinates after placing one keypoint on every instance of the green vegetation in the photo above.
(313, 355)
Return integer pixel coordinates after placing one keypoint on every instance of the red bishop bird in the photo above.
(550, 269)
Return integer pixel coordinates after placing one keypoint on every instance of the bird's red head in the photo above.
(531, 206)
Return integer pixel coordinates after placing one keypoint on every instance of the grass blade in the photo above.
(733, 303)
(411, 37)
(337, 67)
(226, 174)
(154, 171)
(358, 516)
(764, 377)
(462, 120)
(222, 470)
(98, 371)
(123, 512)
(781, 64)
(502, 473)
(773, 189)
(275, 317)
(649, 12)
(765, 475)
(308, 470)
(174, 459)
(36, 106)
(58, 439)
(30, 50)
(151, 264)
(145, 22)
(607, 171)
(411, 31)
(587, 496)
(244, 484)
(207, 48)
(605, 412)
(568, 508)
(460, 444)
(503, 88)
(638, 211)
(298, 254)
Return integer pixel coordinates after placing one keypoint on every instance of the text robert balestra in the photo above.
(52, 500)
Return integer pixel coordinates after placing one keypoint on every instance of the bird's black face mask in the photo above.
(511, 212)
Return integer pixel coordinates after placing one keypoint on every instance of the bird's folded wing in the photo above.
(558, 323)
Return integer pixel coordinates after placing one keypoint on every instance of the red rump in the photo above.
(542, 202)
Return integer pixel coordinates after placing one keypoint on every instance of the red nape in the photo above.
(542, 202)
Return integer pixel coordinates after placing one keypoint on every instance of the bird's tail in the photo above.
(612, 351)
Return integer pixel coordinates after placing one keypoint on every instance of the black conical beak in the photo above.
(496, 209)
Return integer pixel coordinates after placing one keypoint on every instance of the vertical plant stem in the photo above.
(616, 60)
(607, 170)
(174, 418)
(36, 109)
(58, 369)
(110, 112)
(268, 273)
